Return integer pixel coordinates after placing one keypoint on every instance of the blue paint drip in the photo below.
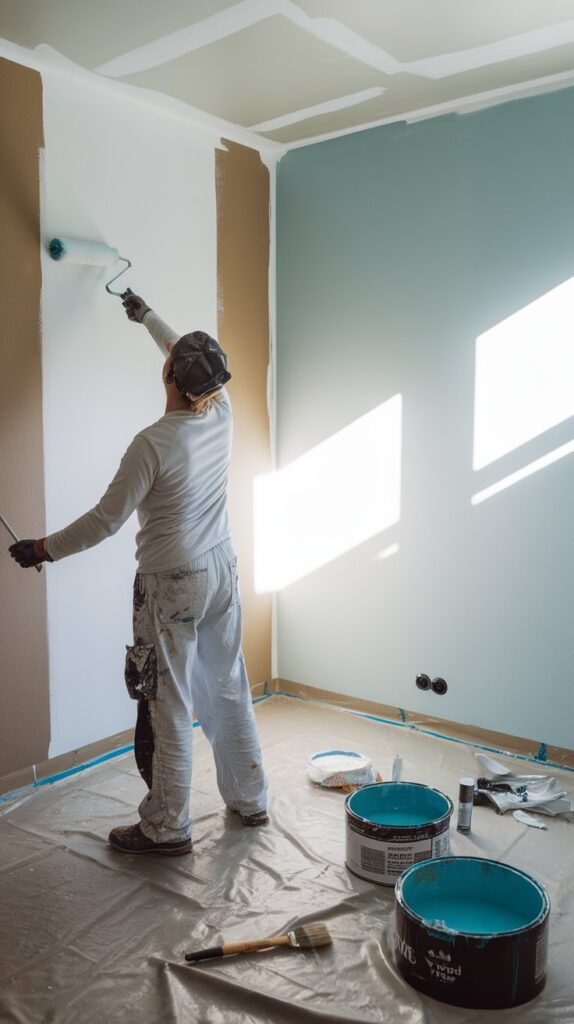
(86, 764)
(515, 969)
(443, 936)
(438, 735)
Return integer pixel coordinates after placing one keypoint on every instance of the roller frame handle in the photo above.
(38, 568)
(237, 947)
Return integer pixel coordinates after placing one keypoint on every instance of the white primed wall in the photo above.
(116, 172)
(398, 248)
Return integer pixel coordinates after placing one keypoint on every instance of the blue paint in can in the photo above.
(470, 915)
(399, 803)
(472, 932)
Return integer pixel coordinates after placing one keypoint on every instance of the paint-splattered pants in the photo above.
(186, 660)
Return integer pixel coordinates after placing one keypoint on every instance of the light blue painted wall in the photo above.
(396, 247)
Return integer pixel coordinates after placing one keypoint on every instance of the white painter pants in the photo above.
(187, 659)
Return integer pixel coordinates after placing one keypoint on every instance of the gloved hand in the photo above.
(25, 553)
(134, 306)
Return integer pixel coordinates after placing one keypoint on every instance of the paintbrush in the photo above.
(306, 937)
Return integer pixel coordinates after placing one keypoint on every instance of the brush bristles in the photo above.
(309, 935)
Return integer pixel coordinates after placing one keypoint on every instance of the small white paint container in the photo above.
(393, 825)
(336, 768)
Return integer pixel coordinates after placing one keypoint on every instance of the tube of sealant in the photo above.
(465, 802)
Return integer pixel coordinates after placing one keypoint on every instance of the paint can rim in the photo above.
(401, 828)
(314, 759)
(480, 936)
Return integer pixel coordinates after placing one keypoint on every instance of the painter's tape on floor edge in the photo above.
(64, 775)
(7, 797)
(539, 759)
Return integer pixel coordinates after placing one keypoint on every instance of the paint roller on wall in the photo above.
(96, 254)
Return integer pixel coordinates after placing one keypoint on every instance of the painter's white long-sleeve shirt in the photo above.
(175, 474)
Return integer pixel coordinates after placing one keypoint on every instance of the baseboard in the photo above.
(75, 758)
(65, 762)
(497, 741)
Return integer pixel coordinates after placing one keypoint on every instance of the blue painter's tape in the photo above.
(86, 764)
(437, 735)
(64, 775)
(542, 754)
(402, 714)
(15, 792)
(82, 767)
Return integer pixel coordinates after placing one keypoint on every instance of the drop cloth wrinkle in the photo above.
(90, 935)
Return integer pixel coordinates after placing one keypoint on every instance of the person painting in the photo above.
(186, 655)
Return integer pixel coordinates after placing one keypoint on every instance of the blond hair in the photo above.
(199, 405)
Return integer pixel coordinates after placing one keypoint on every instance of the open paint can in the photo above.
(391, 825)
(472, 932)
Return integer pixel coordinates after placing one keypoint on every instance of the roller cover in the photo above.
(68, 250)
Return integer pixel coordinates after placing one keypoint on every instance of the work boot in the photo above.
(130, 839)
(259, 818)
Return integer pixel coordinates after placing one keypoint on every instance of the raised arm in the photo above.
(139, 312)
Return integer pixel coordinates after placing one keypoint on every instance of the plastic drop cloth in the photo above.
(92, 936)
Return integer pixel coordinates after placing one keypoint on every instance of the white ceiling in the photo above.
(294, 71)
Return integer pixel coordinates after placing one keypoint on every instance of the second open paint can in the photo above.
(472, 932)
(392, 825)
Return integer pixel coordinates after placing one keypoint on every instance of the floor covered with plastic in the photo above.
(88, 934)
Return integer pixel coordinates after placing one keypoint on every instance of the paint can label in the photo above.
(383, 862)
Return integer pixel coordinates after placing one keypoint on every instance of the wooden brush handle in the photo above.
(237, 947)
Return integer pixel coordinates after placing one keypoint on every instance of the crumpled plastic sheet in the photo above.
(92, 936)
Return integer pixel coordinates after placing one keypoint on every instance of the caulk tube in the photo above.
(465, 803)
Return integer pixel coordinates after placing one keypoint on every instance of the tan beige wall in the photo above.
(243, 325)
(24, 691)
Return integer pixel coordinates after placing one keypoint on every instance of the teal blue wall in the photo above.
(396, 247)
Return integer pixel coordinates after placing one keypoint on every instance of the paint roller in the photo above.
(95, 254)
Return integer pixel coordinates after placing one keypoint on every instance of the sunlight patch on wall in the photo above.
(524, 373)
(521, 474)
(387, 552)
(335, 496)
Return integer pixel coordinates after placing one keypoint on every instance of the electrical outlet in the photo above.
(439, 686)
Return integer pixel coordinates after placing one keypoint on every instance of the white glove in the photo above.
(134, 306)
